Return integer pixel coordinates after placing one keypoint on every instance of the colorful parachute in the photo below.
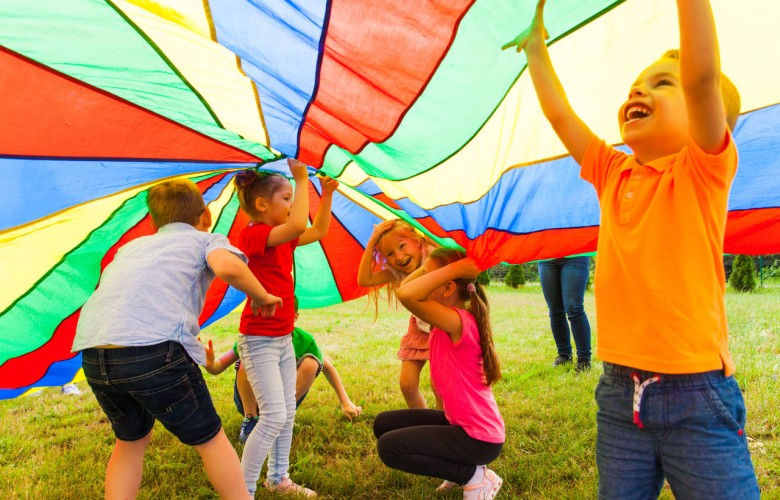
(411, 104)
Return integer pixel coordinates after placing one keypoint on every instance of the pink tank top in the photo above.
(457, 373)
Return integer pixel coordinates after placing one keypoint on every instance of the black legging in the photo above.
(423, 442)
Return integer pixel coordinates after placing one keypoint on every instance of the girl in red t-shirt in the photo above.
(278, 225)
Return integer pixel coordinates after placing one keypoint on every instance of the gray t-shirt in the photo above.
(153, 292)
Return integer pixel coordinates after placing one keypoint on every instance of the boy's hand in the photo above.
(535, 29)
(328, 184)
(350, 409)
(298, 169)
(266, 307)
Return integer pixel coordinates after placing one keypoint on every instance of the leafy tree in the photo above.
(483, 278)
(742, 270)
(515, 276)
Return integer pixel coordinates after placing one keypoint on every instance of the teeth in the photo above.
(636, 112)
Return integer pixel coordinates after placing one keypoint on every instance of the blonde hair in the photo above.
(477, 305)
(380, 263)
(253, 184)
(729, 93)
(177, 200)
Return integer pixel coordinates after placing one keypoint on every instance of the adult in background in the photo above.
(563, 284)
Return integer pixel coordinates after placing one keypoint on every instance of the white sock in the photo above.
(478, 476)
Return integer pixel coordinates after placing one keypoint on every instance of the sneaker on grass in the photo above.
(287, 487)
(247, 426)
(71, 390)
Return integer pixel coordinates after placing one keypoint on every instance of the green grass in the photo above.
(57, 446)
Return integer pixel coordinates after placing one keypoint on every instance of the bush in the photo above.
(742, 278)
(483, 278)
(515, 276)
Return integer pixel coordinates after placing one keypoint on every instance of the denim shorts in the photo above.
(137, 385)
(689, 430)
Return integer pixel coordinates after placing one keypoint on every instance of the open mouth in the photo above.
(637, 112)
(405, 262)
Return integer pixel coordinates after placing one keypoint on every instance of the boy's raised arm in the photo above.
(572, 131)
(700, 74)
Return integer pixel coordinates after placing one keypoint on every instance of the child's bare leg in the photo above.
(307, 372)
(223, 467)
(410, 383)
(125, 467)
(248, 400)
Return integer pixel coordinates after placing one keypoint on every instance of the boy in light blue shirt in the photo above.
(138, 337)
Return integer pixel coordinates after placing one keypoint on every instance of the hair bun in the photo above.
(245, 178)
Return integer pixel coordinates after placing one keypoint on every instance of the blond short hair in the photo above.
(177, 200)
(731, 100)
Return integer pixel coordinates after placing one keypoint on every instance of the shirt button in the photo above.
(630, 194)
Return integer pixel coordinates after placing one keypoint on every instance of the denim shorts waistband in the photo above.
(129, 354)
(622, 374)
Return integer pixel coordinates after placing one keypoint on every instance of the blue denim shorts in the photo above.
(689, 430)
(137, 385)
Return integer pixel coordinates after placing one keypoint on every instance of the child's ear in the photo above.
(450, 288)
(206, 217)
(204, 221)
(260, 204)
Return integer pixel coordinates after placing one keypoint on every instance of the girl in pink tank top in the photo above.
(455, 443)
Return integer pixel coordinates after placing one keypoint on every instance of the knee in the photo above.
(409, 386)
(380, 426)
(274, 422)
(308, 368)
(386, 448)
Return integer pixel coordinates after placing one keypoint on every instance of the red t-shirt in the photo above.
(273, 268)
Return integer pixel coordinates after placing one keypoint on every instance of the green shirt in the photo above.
(303, 345)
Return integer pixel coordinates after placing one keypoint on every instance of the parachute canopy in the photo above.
(410, 104)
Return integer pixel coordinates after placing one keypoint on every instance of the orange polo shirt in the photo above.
(659, 281)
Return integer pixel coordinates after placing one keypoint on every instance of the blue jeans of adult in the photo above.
(270, 369)
(691, 433)
(563, 284)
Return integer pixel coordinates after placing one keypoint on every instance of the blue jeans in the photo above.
(563, 284)
(270, 368)
(137, 385)
(693, 435)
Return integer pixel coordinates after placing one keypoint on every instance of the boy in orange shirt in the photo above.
(669, 406)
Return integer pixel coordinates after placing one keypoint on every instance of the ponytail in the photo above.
(477, 304)
(479, 308)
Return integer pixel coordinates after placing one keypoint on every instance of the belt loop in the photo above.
(102, 362)
(169, 356)
(639, 389)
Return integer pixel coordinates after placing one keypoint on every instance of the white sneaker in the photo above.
(487, 489)
(287, 487)
(71, 389)
(447, 486)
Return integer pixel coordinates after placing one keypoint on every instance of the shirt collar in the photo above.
(659, 164)
(176, 227)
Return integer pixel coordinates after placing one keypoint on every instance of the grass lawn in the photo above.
(57, 446)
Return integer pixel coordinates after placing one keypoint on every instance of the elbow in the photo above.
(403, 296)
(298, 227)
